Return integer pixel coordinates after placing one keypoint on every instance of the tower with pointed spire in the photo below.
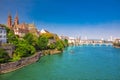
(9, 21)
(16, 21)
(22, 28)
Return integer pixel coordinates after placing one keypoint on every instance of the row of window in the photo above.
(3, 41)
(2, 31)
(4, 36)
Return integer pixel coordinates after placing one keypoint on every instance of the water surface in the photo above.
(75, 63)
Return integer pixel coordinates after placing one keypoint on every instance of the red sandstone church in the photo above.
(21, 29)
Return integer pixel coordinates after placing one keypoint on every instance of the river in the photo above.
(75, 63)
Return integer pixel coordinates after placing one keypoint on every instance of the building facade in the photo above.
(20, 29)
(3, 33)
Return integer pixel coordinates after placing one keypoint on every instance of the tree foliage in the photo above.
(52, 46)
(51, 36)
(31, 39)
(42, 42)
(60, 45)
(11, 37)
(65, 42)
(116, 44)
(48, 35)
(24, 49)
(4, 57)
(28, 45)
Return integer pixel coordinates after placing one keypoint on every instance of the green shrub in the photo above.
(4, 57)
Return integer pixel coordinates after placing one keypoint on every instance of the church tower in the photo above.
(16, 21)
(9, 21)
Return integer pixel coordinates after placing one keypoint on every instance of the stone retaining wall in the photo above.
(11, 66)
(8, 48)
(51, 52)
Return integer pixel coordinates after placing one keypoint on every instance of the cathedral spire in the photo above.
(16, 21)
(9, 21)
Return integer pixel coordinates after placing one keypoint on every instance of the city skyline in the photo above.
(94, 19)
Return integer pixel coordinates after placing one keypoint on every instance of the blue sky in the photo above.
(91, 18)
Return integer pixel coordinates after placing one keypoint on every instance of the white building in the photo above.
(43, 31)
(64, 37)
(71, 40)
(3, 37)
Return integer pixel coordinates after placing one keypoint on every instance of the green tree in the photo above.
(48, 35)
(30, 38)
(42, 42)
(11, 37)
(65, 42)
(24, 49)
(116, 44)
(52, 46)
(60, 45)
(4, 57)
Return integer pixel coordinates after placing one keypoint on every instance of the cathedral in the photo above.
(21, 29)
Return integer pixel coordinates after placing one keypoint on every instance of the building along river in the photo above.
(85, 62)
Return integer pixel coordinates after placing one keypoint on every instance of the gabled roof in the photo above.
(44, 31)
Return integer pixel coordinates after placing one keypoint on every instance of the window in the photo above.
(0, 36)
(4, 36)
(4, 31)
(0, 31)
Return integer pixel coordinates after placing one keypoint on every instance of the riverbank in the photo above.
(51, 52)
(12, 66)
(116, 46)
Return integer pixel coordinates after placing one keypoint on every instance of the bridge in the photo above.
(96, 44)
